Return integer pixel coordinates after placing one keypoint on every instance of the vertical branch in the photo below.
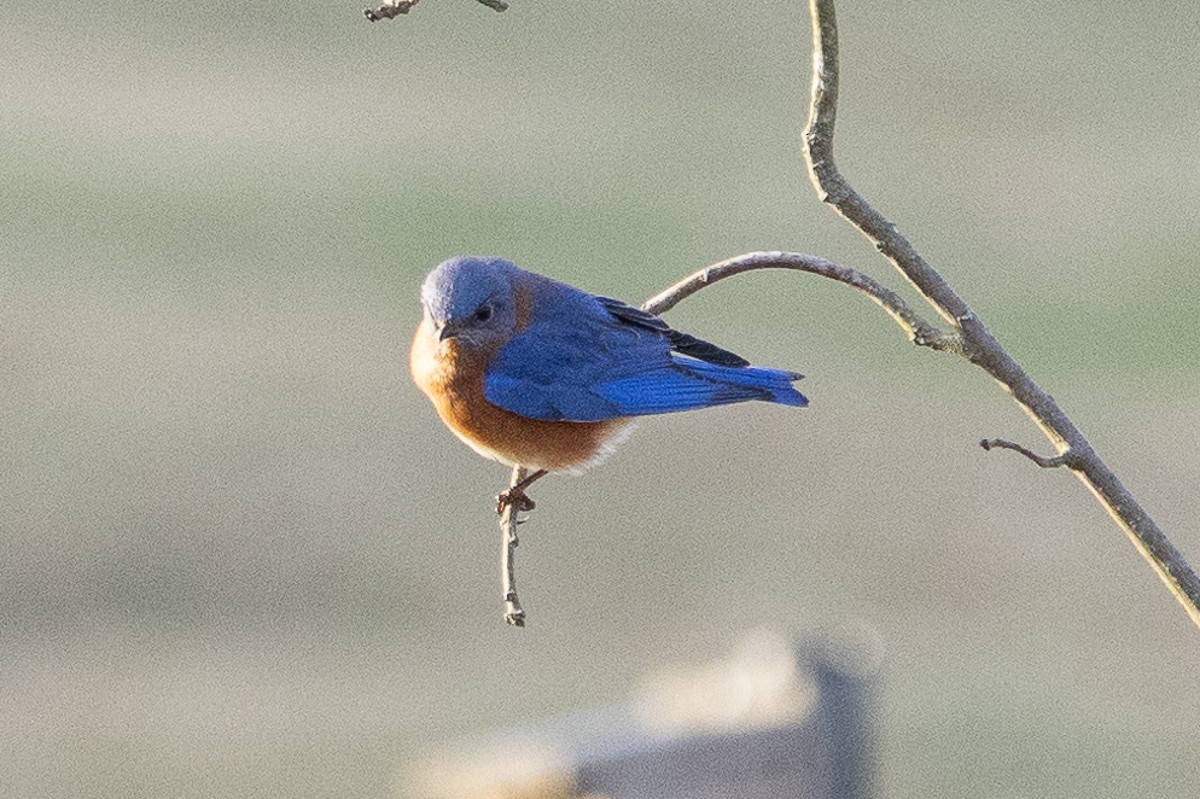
(836, 190)
(514, 614)
(979, 345)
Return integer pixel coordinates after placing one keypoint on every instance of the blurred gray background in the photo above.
(241, 557)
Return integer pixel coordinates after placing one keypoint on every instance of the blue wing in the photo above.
(582, 361)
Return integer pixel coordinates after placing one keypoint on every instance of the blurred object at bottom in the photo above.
(773, 720)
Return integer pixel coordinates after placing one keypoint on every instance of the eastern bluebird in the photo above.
(532, 372)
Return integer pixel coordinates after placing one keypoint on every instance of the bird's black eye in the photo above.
(483, 313)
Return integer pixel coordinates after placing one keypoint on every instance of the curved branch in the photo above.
(978, 344)
(917, 329)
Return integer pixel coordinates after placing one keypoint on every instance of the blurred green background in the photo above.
(241, 557)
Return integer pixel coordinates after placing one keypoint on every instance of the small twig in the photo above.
(917, 329)
(394, 8)
(389, 10)
(1041, 460)
(514, 614)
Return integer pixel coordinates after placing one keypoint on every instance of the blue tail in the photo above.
(688, 384)
(748, 382)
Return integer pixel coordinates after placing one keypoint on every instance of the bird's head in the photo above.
(471, 299)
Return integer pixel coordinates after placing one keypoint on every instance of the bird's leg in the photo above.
(515, 495)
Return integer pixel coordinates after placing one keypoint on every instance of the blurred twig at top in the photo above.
(390, 9)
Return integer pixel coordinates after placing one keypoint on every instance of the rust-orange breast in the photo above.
(452, 377)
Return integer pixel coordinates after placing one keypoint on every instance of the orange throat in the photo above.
(452, 376)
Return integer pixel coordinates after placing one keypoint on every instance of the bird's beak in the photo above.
(446, 331)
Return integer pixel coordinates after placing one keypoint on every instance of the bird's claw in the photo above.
(516, 498)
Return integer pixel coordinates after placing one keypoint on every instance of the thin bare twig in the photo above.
(1041, 460)
(978, 344)
(394, 8)
(514, 614)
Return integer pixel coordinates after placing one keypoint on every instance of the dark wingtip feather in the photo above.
(702, 350)
(682, 343)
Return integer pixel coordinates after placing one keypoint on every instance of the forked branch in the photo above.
(978, 344)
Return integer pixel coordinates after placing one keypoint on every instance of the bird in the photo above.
(532, 372)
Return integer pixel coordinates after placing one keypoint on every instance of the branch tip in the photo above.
(514, 614)
(1063, 459)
